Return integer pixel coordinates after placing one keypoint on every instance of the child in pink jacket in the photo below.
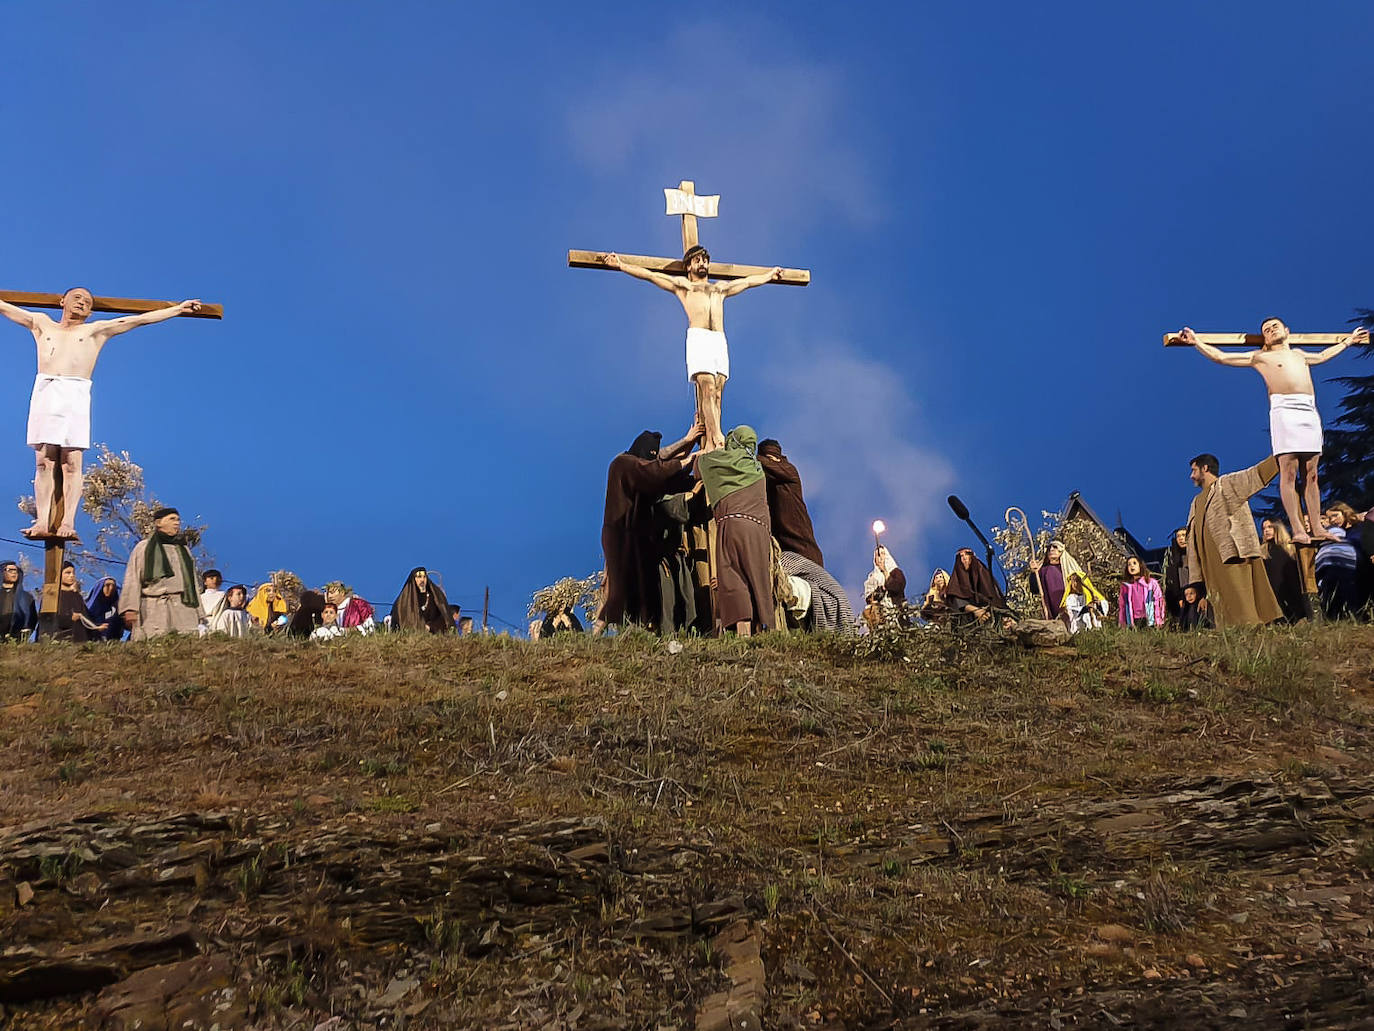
(1141, 602)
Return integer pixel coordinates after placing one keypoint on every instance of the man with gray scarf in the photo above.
(160, 595)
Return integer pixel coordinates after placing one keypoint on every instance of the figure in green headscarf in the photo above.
(733, 467)
(738, 497)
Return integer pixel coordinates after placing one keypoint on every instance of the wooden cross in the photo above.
(55, 547)
(686, 202)
(1256, 340)
(114, 305)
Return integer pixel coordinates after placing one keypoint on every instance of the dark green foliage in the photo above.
(1348, 458)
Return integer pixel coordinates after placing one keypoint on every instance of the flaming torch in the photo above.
(879, 528)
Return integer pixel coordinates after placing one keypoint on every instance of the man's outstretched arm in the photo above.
(680, 447)
(1215, 353)
(1360, 336)
(17, 314)
(660, 279)
(113, 327)
(738, 286)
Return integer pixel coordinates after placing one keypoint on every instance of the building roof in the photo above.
(1127, 541)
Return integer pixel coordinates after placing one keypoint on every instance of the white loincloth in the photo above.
(60, 411)
(1295, 428)
(707, 352)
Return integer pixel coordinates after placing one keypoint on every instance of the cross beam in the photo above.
(685, 201)
(719, 269)
(116, 305)
(1257, 340)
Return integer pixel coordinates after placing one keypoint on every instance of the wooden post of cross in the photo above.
(54, 550)
(55, 547)
(1307, 570)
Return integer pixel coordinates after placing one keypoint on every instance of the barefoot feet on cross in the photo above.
(36, 530)
(67, 533)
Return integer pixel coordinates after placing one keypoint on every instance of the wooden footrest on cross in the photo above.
(47, 536)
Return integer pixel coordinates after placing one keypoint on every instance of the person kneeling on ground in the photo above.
(231, 618)
(329, 624)
(973, 594)
(267, 610)
(1083, 604)
(18, 613)
(69, 622)
(1197, 614)
(421, 605)
(934, 608)
(309, 616)
(888, 577)
(102, 608)
(354, 613)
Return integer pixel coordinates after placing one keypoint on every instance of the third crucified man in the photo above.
(708, 359)
(60, 407)
(1295, 428)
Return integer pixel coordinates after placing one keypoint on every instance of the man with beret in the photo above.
(160, 594)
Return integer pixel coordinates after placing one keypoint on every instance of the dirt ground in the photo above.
(923, 831)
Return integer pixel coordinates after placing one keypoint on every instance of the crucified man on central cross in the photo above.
(702, 286)
(708, 355)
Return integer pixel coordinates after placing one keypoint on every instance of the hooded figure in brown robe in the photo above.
(972, 590)
(791, 522)
(631, 536)
(421, 605)
(744, 559)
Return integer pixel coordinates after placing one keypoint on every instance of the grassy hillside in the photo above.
(1138, 830)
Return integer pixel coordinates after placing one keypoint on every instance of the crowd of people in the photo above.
(161, 594)
(713, 541)
(1176, 598)
(722, 541)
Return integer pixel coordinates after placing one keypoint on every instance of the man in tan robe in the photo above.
(160, 595)
(1223, 547)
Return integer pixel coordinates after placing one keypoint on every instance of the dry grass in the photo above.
(914, 835)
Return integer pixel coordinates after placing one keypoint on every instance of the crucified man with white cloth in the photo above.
(60, 406)
(1295, 428)
(708, 358)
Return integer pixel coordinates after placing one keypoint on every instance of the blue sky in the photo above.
(1003, 207)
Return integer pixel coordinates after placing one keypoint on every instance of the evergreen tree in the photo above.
(1347, 469)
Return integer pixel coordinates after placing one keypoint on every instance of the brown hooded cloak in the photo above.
(973, 586)
(787, 512)
(414, 610)
(631, 537)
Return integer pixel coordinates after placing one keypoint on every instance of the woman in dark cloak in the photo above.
(69, 622)
(631, 536)
(1281, 566)
(787, 512)
(972, 592)
(102, 609)
(738, 498)
(1175, 575)
(307, 617)
(18, 613)
(421, 605)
